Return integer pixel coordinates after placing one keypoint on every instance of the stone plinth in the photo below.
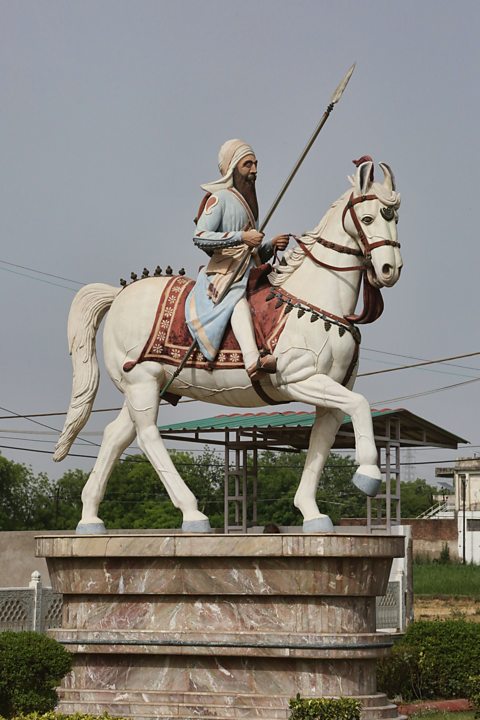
(219, 626)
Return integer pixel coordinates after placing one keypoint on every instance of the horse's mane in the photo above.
(294, 257)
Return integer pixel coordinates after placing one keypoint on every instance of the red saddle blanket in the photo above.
(170, 339)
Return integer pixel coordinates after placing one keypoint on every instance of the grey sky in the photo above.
(111, 116)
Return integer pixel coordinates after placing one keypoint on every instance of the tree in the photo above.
(416, 497)
(136, 497)
(279, 475)
(26, 498)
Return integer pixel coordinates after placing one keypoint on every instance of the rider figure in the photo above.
(227, 231)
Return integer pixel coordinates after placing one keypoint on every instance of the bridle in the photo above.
(365, 250)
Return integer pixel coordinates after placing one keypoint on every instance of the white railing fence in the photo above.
(33, 608)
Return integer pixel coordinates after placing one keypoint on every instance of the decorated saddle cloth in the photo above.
(170, 338)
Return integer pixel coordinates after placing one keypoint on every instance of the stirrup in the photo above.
(264, 364)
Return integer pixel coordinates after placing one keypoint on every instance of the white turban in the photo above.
(229, 156)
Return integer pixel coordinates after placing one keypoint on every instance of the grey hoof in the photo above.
(318, 525)
(91, 529)
(196, 526)
(368, 485)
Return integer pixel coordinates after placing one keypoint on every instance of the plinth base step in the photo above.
(186, 706)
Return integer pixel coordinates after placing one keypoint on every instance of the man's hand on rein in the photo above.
(280, 242)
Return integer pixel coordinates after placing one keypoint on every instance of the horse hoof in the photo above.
(196, 526)
(318, 525)
(91, 529)
(368, 485)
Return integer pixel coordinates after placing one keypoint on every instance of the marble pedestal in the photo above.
(219, 626)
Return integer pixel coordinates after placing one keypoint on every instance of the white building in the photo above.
(466, 485)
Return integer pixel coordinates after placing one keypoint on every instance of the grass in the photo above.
(433, 715)
(449, 579)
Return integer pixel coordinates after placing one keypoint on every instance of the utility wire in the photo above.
(48, 282)
(419, 364)
(414, 357)
(142, 460)
(40, 272)
(374, 372)
(426, 392)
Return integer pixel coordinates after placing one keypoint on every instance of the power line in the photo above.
(48, 282)
(40, 272)
(414, 357)
(29, 416)
(49, 427)
(141, 460)
(419, 364)
(426, 392)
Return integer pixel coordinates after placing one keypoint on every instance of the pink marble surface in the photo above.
(233, 676)
(155, 621)
(249, 545)
(226, 576)
(220, 613)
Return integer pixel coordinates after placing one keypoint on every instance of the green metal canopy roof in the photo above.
(292, 429)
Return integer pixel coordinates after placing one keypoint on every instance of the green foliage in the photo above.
(26, 497)
(324, 709)
(417, 496)
(136, 498)
(279, 474)
(434, 659)
(473, 693)
(31, 667)
(399, 674)
(444, 558)
(446, 579)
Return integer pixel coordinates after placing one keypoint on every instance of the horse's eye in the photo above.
(388, 213)
(367, 219)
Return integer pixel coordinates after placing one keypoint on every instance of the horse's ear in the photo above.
(389, 180)
(363, 177)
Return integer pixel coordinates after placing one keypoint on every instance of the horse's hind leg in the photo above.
(117, 436)
(322, 437)
(142, 398)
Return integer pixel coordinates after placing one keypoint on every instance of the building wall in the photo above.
(428, 536)
(17, 558)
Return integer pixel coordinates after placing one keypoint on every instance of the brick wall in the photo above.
(428, 536)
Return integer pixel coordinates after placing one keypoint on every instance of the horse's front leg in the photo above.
(323, 392)
(322, 436)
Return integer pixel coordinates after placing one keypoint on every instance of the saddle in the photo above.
(170, 339)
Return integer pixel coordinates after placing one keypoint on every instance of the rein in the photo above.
(372, 298)
(364, 252)
(337, 248)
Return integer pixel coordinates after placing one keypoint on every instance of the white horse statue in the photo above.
(316, 285)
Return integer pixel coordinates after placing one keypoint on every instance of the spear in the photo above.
(333, 101)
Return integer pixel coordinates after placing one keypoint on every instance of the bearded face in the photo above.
(244, 179)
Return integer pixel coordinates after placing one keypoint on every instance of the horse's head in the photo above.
(370, 217)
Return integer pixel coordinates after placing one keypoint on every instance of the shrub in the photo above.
(473, 693)
(399, 674)
(31, 667)
(434, 659)
(324, 709)
(444, 558)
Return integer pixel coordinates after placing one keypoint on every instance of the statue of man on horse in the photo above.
(227, 230)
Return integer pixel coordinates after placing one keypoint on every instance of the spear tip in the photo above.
(342, 85)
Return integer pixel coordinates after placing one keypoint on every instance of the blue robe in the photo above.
(219, 233)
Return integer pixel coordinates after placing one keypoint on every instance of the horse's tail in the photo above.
(86, 313)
